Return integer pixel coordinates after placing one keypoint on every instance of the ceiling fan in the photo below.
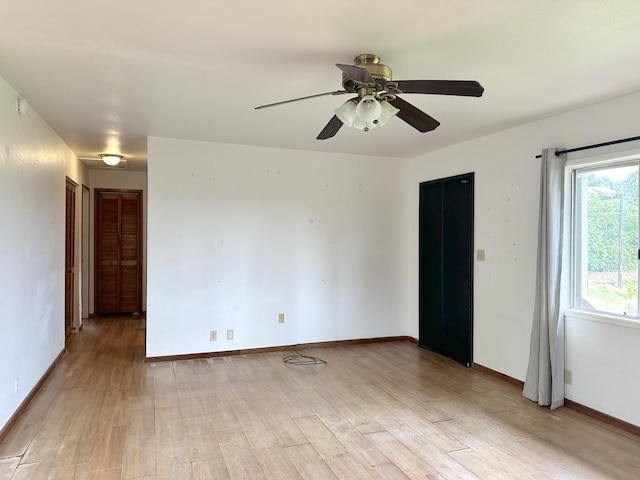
(377, 99)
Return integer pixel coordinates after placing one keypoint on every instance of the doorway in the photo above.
(118, 251)
(69, 256)
(446, 267)
(84, 255)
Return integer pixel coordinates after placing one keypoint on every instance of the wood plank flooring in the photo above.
(375, 411)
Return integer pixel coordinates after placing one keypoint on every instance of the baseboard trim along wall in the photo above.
(227, 353)
(578, 407)
(499, 375)
(25, 403)
(603, 417)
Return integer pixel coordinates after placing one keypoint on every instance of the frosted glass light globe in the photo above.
(368, 109)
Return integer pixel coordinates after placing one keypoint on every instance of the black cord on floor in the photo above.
(299, 359)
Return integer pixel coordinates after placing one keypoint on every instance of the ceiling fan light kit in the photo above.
(365, 113)
(377, 97)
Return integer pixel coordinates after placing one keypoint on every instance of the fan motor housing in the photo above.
(380, 73)
(371, 63)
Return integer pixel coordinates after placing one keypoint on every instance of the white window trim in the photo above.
(602, 159)
(611, 156)
(602, 317)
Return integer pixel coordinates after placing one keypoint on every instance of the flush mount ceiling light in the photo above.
(111, 159)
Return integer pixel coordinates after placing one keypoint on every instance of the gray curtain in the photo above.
(544, 383)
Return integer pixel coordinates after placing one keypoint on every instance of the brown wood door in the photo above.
(69, 257)
(118, 251)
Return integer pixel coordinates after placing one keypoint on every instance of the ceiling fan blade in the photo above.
(466, 88)
(358, 74)
(330, 128)
(337, 92)
(414, 116)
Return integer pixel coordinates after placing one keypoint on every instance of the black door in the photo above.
(446, 267)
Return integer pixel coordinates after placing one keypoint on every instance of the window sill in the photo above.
(600, 317)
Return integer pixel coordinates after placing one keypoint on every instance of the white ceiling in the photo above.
(105, 75)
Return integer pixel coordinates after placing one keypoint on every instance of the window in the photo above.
(605, 238)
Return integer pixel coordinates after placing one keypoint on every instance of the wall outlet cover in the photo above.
(568, 377)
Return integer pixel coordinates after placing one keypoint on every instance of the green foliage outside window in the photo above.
(612, 222)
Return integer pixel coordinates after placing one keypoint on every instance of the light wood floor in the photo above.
(383, 411)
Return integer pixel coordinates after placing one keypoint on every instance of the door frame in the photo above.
(96, 243)
(85, 253)
(70, 250)
(421, 300)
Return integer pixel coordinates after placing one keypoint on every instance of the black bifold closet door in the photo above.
(446, 267)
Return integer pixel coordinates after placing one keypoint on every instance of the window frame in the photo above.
(572, 167)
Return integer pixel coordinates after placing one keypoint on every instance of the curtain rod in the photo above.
(596, 145)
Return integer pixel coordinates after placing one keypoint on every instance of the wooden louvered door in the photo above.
(118, 251)
(69, 256)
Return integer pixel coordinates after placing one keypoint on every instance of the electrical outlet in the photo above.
(230, 334)
(281, 318)
(213, 335)
(17, 385)
(568, 377)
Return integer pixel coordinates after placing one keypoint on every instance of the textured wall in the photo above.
(239, 234)
(33, 164)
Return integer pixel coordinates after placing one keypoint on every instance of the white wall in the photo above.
(238, 234)
(506, 223)
(120, 180)
(33, 164)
